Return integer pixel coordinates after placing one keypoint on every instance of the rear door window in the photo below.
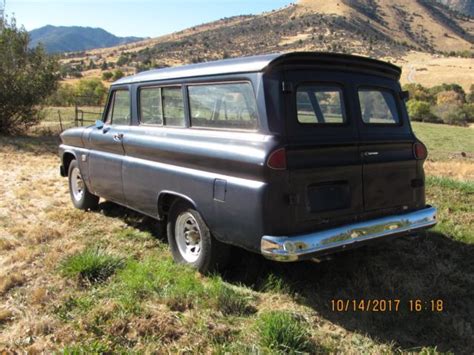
(173, 106)
(378, 106)
(320, 104)
(226, 106)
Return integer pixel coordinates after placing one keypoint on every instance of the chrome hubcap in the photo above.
(188, 237)
(77, 184)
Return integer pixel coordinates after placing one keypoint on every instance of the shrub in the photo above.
(63, 96)
(470, 97)
(450, 97)
(419, 92)
(451, 114)
(118, 74)
(90, 92)
(468, 111)
(282, 331)
(419, 110)
(107, 75)
(27, 77)
(92, 265)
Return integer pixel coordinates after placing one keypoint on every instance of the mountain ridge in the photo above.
(59, 39)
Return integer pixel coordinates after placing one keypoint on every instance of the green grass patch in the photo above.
(91, 265)
(283, 332)
(176, 284)
(443, 141)
(455, 202)
(275, 284)
(228, 300)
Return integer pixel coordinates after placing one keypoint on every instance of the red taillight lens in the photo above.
(420, 151)
(277, 159)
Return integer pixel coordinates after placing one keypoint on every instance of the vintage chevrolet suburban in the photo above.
(294, 156)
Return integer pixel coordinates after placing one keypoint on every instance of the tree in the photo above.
(419, 110)
(450, 97)
(90, 92)
(27, 77)
(470, 97)
(63, 96)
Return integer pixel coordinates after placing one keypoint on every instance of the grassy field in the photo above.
(103, 281)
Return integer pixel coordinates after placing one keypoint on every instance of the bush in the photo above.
(452, 114)
(90, 92)
(419, 92)
(282, 331)
(118, 74)
(63, 96)
(419, 110)
(27, 77)
(91, 265)
(450, 97)
(107, 76)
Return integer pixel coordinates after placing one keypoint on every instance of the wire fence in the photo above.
(59, 118)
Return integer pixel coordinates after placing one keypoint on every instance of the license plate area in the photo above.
(330, 196)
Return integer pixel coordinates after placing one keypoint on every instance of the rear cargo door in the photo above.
(323, 156)
(386, 145)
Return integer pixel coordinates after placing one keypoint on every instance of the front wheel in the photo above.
(80, 195)
(191, 242)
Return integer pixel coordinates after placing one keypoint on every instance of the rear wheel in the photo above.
(191, 242)
(80, 195)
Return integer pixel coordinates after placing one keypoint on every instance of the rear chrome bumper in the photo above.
(307, 246)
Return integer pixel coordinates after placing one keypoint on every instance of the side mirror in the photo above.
(99, 124)
(405, 95)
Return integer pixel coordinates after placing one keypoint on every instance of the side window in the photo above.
(378, 107)
(173, 106)
(320, 104)
(230, 105)
(151, 108)
(119, 109)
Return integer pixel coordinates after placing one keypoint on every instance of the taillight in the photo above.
(277, 159)
(420, 151)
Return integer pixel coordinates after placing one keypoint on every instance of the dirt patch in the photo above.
(452, 169)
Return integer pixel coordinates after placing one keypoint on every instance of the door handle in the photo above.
(371, 154)
(118, 137)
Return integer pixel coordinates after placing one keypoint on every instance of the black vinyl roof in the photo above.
(264, 63)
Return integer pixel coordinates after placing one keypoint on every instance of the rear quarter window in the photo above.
(378, 106)
(223, 106)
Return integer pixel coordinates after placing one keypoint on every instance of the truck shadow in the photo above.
(433, 267)
(428, 268)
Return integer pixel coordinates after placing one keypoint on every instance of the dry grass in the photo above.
(152, 305)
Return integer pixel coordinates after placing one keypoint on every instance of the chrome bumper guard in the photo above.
(310, 245)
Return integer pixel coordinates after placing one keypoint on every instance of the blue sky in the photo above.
(144, 18)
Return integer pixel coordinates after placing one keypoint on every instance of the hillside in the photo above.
(463, 6)
(414, 34)
(75, 38)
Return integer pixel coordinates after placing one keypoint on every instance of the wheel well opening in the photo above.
(165, 201)
(67, 159)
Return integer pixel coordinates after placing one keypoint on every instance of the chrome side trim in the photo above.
(293, 248)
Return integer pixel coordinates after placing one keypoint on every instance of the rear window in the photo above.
(378, 107)
(226, 106)
(320, 104)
